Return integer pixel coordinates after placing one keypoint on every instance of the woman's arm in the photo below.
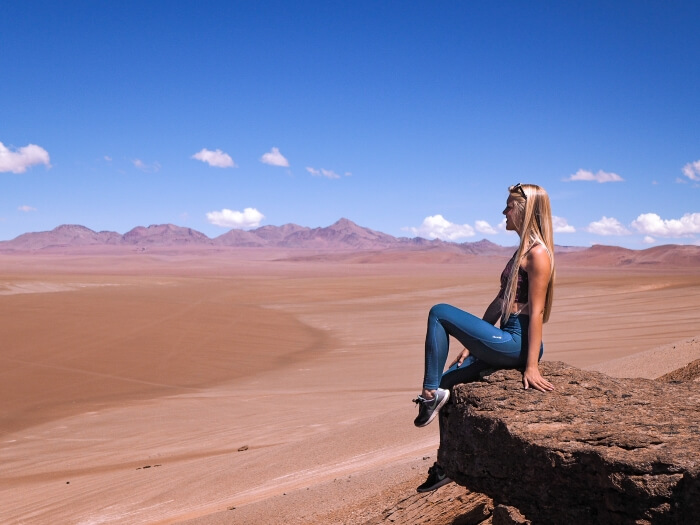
(538, 268)
(493, 312)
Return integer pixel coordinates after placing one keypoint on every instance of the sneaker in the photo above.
(429, 408)
(436, 479)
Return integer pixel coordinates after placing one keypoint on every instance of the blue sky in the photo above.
(409, 117)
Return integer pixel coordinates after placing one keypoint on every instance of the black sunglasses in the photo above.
(519, 187)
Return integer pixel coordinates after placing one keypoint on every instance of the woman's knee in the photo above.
(439, 310)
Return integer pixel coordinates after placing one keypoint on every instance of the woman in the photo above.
(523, 305)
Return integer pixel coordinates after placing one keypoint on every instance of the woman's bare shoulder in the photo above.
(537, 258)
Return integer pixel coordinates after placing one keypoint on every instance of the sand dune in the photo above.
(173, 387)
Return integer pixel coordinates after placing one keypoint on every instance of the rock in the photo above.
(451, 504)
(596, 450)
(690, 372)
(504, 515)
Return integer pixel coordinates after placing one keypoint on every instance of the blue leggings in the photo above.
(489, 347)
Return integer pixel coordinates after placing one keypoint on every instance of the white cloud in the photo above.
(217, 159)
(561, 225)
(26, 208)
(607, 226)
(148, 168)
(601, 176)
(108, 158)
(248, 218)
(484, 227)
(274, 158)
(652, 224)
(692, 170)
(18, 161)
(437, 227)
(648, 239)
(329, 174)
(502, 226)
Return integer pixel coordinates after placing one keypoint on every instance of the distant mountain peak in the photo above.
(165, 234)
(71, 227)
(343, 223)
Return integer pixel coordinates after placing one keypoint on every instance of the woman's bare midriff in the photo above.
(521, 309)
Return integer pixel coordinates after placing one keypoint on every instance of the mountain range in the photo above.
(344, 237)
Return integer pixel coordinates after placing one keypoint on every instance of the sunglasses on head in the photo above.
(519, 188)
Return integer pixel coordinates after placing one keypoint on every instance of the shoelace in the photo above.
(421, 399)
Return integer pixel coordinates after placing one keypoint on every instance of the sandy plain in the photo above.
(244, 387)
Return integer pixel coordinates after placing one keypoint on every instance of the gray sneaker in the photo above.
(436, 479)
(429, 408)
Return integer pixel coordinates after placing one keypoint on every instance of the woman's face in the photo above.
(512, 218)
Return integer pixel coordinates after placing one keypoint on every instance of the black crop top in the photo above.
(521, 291)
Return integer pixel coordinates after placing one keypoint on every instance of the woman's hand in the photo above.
(533, 378)
(460, 358)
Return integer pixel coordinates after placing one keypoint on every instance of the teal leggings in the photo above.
(489, 347)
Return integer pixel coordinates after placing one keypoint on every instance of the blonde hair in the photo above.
(533, 211)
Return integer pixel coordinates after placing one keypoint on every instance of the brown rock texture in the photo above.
(451, 504)
(690, 372)
(596, 450)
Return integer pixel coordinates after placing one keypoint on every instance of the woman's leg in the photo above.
(493, 346)
(468, 371)
(478, 336)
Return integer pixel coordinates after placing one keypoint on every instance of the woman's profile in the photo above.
(522, 306)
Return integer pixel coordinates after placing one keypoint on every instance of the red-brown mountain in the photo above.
(668, 254)
(64, 235)
(263, 236)
(164, 234)
(342, 233)
(72, 235)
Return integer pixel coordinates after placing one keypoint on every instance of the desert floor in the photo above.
(240, 387)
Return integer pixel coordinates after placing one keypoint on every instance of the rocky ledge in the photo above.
(596, 450)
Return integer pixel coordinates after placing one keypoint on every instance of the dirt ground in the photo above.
(241, 387)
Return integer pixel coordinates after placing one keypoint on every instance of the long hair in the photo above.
(534, 212)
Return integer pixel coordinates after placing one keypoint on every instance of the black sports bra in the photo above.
(521, 291)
